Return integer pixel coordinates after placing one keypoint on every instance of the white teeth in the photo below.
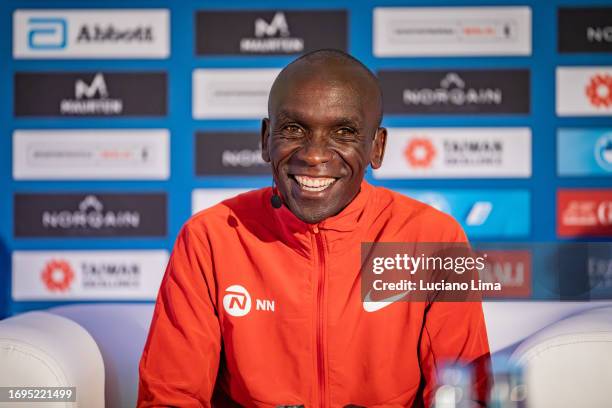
(314, 183)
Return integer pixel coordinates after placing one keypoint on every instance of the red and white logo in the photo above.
(599, 90)
(457, 153)
(584, 213)
(584, 91)
(87, 275)
(237, 301)
(420, 152)
(511, 269)
(57, 275)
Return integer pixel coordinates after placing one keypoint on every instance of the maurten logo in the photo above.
(48, 33)
(603, 151)
(278, 26)
(272, 37)
(91, 98)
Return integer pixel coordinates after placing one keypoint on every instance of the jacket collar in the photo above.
(346, 221)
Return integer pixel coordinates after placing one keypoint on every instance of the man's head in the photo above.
(323, 130)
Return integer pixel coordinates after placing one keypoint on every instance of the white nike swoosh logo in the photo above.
(372, 306)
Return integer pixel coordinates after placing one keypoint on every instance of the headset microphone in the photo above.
(275, 200)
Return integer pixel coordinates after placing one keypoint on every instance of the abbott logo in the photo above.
(237, 301)
(277, 26)
(47, 33)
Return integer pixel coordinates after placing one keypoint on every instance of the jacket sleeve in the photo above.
(181, 356)
(455, 333)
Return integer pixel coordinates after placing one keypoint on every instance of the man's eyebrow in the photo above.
(288, 114)
(285, 114)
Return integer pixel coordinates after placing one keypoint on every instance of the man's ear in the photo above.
(265, 133)
(378, 147)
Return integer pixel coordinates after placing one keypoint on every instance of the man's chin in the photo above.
(310, 216)
(312, 211)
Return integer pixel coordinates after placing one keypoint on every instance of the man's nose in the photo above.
(316, 151)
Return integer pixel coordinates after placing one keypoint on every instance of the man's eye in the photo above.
(345, 132)
(292, 129)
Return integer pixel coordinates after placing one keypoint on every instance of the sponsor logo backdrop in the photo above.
(122, 119)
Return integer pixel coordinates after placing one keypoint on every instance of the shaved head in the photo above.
(322, 132)
(330, 62)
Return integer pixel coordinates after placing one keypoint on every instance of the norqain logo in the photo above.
(90, 214)
(453, 91)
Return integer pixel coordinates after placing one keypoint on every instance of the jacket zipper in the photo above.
(320, 315)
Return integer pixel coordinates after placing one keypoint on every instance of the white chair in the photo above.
(569, 363)
(40, 349)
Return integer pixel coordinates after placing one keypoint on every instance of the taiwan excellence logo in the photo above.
(603, 151)
(57, 276)
(599, 91)
(420, 153)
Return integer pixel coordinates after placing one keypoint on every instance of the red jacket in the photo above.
(260, 309)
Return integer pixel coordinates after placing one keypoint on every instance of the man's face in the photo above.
(321, 135)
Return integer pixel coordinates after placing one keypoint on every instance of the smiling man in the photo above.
(261, 302)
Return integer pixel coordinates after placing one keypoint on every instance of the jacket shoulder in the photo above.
(248, 205)
(421, 221)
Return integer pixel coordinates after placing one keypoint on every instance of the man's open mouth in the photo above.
(313, 183)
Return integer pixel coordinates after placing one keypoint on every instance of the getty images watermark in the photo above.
(423, 272)
(393, 272)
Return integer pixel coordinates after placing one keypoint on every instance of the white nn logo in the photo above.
(237, 301)
(98, 85)
(278, 25)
